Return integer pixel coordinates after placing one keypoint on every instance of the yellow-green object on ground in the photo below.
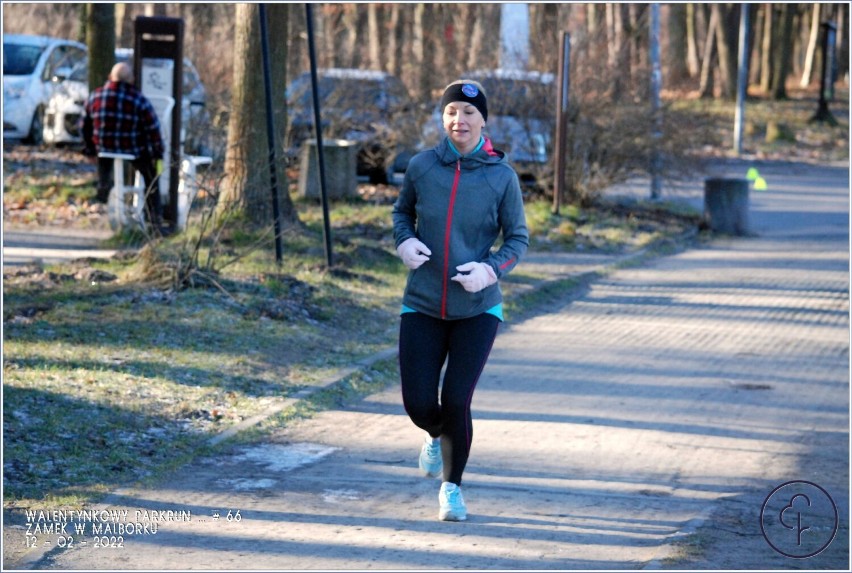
(759, 182)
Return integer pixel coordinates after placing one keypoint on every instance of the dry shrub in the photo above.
(609, 143)
(152, 267)
(612, 135)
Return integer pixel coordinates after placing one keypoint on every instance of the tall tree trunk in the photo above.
(462, 32)
(842, 39)
(782, 55)
(100, 38)
(625, 45)
(82, 17)
(693, 65)
(374, 36)
(617, 50)
(726, 34)
(611, 44)
(766, 48)
(810, 54)
(706, 87)
(477, 37)
(297, 52)
(594, 17)
(436, 41)
(677, 48)
(638, 49)
(544, 35)
(329, 30)
(755, 41)
(421, 79)
(392, 64)
(246, 188)
(797, 44)
(120, 12)
(155, 9)
(482, 52)
(348, 55)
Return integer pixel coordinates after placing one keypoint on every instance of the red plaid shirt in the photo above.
(123, 121)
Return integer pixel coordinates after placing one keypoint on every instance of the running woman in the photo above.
(456, 200)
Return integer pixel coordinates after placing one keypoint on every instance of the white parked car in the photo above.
(30, 66)
(62, 117)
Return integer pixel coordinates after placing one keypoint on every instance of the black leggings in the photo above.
(424, 344)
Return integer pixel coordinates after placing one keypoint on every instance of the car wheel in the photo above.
(36, 135)
(378, 176)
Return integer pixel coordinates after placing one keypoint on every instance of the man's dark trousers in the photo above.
(147, 167)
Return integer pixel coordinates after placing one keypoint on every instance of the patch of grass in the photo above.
(606, 226)
(54, 191)
(105, 383)
(35, 196)
(800, 138)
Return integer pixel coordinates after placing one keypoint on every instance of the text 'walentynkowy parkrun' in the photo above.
(99, 528)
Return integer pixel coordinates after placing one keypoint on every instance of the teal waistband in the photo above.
(496, 310)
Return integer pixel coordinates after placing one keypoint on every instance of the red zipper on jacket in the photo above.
(450, 209)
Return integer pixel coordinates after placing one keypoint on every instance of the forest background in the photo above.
(412, 41)
(426, 43)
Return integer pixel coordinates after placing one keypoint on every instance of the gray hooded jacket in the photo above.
(458, 207)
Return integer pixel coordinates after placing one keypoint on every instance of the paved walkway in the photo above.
(50, 246)
(641, 424)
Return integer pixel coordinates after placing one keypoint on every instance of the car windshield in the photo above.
(80, 72)
(513, 97)
(20, 60)
(346, 93)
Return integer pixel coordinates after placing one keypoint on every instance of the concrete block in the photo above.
(339, 157)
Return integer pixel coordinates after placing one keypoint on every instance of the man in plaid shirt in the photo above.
(119, 119)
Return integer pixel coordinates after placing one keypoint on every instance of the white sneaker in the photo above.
(452, 507)
(430, 457)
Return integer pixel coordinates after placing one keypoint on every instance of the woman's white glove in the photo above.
(413, 253)
(478, 277)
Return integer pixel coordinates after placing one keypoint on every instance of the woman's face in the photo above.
(463, 124)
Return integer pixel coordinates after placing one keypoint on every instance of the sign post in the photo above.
(560, 151)
(158, 67)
